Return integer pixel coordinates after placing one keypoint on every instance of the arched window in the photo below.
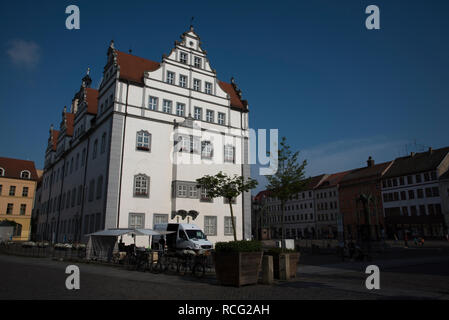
(25, 174)
(143, 141)
(2, 172)
(141, 185)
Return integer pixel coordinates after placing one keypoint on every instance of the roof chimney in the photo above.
(430, 150)
(412, 154)
(370, 162)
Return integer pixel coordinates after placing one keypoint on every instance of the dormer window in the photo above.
(2, 172)
(197, 62)
(25, 174)
(183, 57)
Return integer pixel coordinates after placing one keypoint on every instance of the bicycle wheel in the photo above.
(199, 270)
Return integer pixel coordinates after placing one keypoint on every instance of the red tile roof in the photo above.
(70, 121)
(54, 139)
(333, 179)
(262, 195)
(132, 67)
(92, 100)
(235, 99)
(13, 167)
(366, 172)
(419, 162)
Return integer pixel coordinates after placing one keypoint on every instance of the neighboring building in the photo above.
(328, 215)
(362, 181)
(411, 194)
(299, 212)
(444, 194)
(128, 154)
(17, 188)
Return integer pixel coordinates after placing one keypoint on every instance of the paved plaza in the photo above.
(414, 273)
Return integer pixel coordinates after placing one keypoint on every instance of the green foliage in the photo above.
(239, 246)
(289, 179)
(222, 185)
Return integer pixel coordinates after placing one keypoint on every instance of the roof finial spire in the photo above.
(191, 23)
(111, 45)
(88, 71)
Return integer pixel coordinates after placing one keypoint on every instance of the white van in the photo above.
(185, 236)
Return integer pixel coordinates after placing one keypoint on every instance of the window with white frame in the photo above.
(206, 149)
(193, 191)
(25, 174)
(180, 109)
(166, 106)
(159, 218)
(152, 103)
(183, 57)
(229, 153)
(196, 84)
(198, 113)
(228, 229)
(141, 185)
(210, 225)
(170, 77)
(182, 190)
(143, 141)
(136, 221)
(221, 118)
(183, 81)
(197, 62)
(204, 196)
(208, 88)
(209, 116)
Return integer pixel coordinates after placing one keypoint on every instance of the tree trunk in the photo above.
(232, 220)
(283, 227)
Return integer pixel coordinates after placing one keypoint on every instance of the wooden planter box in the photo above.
(294, 259)
(237, 268)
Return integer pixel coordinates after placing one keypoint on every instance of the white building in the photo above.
(411, 194)
(128, 154)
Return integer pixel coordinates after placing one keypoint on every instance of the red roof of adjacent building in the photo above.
(70, 117)
(54, 139)
(333, 180)
(366, 172)
(132, 68)
(235, 99)
(92, 100)
(262, 195)
(13, 167)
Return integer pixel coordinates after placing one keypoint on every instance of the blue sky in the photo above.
(337, 91)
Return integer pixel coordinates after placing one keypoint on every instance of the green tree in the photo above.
(288, 180)
(222, 185)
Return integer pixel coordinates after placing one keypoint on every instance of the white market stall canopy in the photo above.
(137, 232)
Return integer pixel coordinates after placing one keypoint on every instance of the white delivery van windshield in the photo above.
(195, 234)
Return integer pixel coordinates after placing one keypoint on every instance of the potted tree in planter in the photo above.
(237, 262)
(286, 182)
